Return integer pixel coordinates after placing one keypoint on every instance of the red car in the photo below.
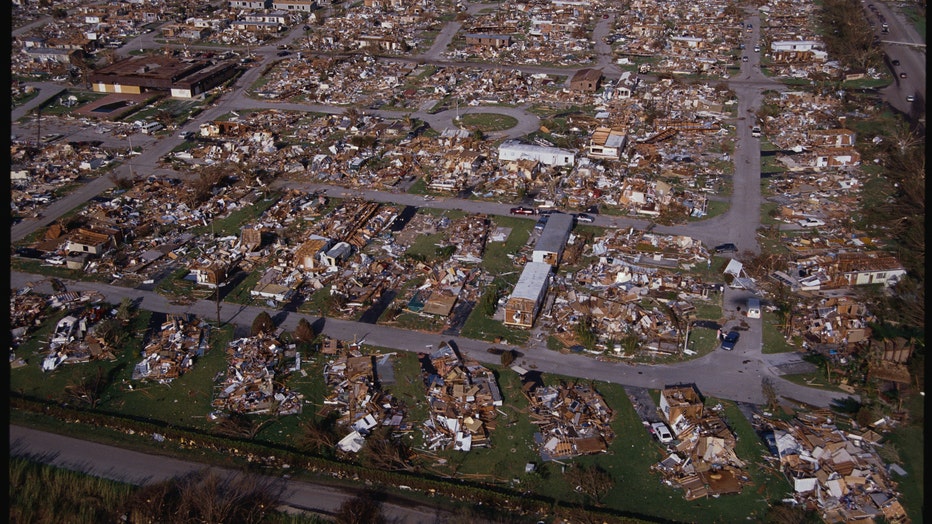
(521, 210)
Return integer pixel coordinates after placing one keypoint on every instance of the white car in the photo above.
(56, 260)
(811, 222)
(662, 432)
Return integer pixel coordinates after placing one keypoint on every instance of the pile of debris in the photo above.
(463, 396)
(27, 310)
(838, 472)
(573, 419)
(702, 460)
(182, 339)
(250, 385)
(356, 382)
(74, 340)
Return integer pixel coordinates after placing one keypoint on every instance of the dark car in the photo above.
(284, 53)
(895, 62)
(728, 343)
(521, 210)
(726, 248)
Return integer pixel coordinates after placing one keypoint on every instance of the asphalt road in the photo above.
(146, 468)
(734, 375)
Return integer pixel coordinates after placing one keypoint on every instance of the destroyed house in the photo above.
(528, 295)
(679, 405)
(487, 40)
(463, 397)
(89, 241)
(572, 420)
(308, 255)
(835, 157)
(607, 143)
(831, 137)
(552, 241)
(250, 4)
(857, 269)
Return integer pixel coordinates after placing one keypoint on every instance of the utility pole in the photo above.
(686, 340)
(38, 125)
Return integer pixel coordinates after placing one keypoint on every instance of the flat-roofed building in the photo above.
(511, 150)
(528, 295)
(552, 241)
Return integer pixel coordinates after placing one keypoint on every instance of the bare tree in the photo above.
(205, 496)
(385, 452)
(770, 393)
(593, 481)
(319, 435)
(87, 389)
(364, 508)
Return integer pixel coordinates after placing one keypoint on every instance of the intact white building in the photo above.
(512, 150)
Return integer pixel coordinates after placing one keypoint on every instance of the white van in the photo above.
(753, 307)
(150, 127)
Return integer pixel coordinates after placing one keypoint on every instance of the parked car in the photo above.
(726, 248)
(744, 59)
(584, 218)
(903, 75)
(757, 49)
(895, 62)
(811, 222)
(728, 343)
(56, 260)
(910, 98)
(521, 210)
(661, 432)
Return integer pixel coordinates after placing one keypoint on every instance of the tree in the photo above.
(165, 118)
(319, 435)
(205, 496)
(304, 333)
(508, 357)
(594, 481)
(385, 452)
(364, 508)
(585, 333)
(489, 300)
(240, 425)
(770, 393)
(126, 311)
(87, 389)
(263, 323)
(112, 331)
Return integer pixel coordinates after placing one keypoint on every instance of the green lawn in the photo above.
(773, 339)
(487, 122)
